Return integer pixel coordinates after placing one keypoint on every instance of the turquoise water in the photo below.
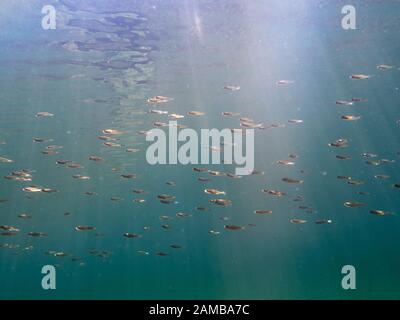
(97, 69)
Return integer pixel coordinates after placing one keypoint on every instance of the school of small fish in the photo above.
(111, 138)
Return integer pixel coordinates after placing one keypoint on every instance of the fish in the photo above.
(32, 189)
(106, 138)
(80, 177)
(60, 254)
(285, 162)
(359, 100)
(37, 234)
(263, 211)
(157, 111)
(381, 176)
(159, 99)
(63, 162)
(49, 190)
(273, 192)
(44, 114)
(160, 124)
(112, 131)
(384, 67)
(176, 246)
(344, 102)
(277, 125)
(387, 161)
(195, 113)
(230, 114)
(380, 212)
(183, 215)
(344, 177)
(175, 116)
(256, 172)
(130, 235)
(111, 144)
(165, 197)
(353, 204)
(233, 227)
(144, 132)
(5, 160)
(251, 125)
(284, 82)
(295, 121)
(9, 228)
(49, 152)
(214, 192)
(24, 216)
(373, 162)
(221, 202)
(355, 182)
(90, 193)
(39, 139)
(73, 165)
(360, 76)
(350, 118)
(200, 169)
(298, 221)
(9, 233)
(290, 180)
(54, 147)
(164, 217)
(232, 88)
(139, 191)
(216, 173)
(323, 221)
(233, 176)
(95, 158)
(343, 157)
(201, 208)
(84, 228)
(339, 143)
(132, 150)
(202, 179)
(369, 155)
(213, 232)
(128, 176)
(162, 254)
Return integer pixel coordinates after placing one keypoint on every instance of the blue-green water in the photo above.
(97, 69)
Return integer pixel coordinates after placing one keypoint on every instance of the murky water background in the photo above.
(96, 71)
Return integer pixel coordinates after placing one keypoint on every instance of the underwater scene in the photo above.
(200, 149)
